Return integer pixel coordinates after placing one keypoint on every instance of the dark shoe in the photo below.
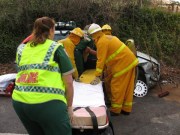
(124, 112)
(114, 114)
(108, 104)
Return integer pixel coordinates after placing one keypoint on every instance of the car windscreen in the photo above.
(59, 37)
(60, 34)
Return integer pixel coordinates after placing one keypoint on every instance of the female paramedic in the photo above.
(43, 94)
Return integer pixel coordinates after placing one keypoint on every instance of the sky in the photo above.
(171, 0)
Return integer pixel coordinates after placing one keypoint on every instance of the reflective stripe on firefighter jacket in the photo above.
(38, 79)
(113, 53)
(122, 104)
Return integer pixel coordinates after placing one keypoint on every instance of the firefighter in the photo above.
(82, 50)
(106, 29)
(69, 44)
(43, 94)
(83, 47)
(120, 63)
(130, 44)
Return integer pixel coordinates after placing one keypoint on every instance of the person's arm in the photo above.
(91, 51)
(102, 49)
(66, 70)
(68, 82)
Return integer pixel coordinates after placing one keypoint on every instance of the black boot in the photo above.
(124, 112)
(114, 114)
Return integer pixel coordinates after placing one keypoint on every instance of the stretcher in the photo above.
(90, 112)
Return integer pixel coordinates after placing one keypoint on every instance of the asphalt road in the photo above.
(151, 116)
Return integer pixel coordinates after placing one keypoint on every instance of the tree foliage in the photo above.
(154, 29)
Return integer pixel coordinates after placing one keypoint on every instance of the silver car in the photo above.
(148, 74)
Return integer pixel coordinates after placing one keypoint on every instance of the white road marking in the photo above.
(11, 134)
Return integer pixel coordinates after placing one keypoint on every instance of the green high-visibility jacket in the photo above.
(38, 79)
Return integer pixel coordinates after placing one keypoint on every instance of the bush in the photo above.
(153, 30)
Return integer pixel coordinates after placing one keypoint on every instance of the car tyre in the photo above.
(141, 89)
(107, 131)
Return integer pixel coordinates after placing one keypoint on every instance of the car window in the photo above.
(58, 37)
(62, 29)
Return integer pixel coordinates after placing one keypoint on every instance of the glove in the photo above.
(77, 80)
(70, 113)
(95, 81)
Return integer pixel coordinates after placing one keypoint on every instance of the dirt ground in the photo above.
(170, 81)
(174, 91)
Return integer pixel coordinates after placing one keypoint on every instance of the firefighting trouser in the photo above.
(107, 80)
(49, 118)
(122, 88)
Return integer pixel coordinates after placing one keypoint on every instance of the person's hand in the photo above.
(95, 81)
(70, 113)
(87, 50)
(77, 80)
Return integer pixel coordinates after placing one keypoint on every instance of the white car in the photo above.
(7, 84)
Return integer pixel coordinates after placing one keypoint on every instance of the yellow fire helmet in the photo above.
(106, 27)
(77, 31)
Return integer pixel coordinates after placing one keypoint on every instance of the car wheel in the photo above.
(141, 89)
(107, 131)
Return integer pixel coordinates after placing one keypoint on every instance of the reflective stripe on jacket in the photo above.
(113, 53)
(38, 79)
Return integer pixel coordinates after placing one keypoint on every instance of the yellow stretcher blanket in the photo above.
(88, 76)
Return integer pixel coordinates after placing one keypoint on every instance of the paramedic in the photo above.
(69, 44)
(43, 94)
(106, 29)
(120, 63)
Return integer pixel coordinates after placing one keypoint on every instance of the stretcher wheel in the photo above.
(141, 89)
(107, 131)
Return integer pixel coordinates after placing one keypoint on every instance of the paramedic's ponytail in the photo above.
(41, 30)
